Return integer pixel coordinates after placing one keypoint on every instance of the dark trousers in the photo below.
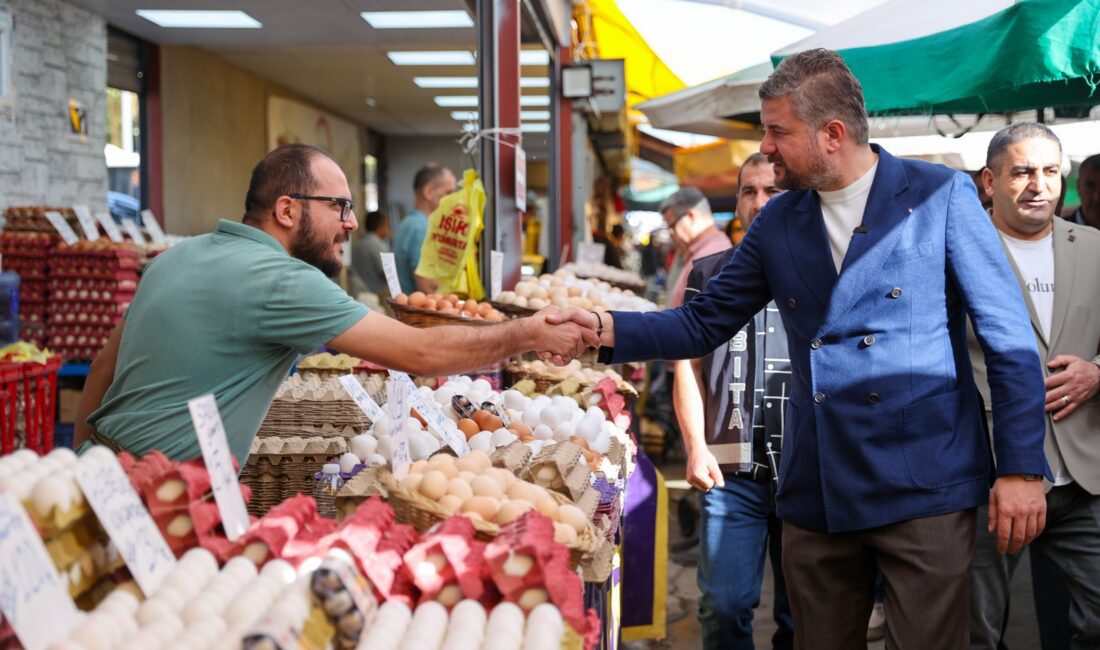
(925, 563)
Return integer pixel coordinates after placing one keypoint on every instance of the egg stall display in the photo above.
(76, 542)
(450, 305)
(588, 386)
(621, 278)
(567, 290)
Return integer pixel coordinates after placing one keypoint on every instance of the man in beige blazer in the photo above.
(1057, 264)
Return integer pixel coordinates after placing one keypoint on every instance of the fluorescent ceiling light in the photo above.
(464, 116)
(455, 57)
(417, 19)
(534, 82)
(534, 100)
(457, 101)
(445, 82)
(199, 18)
(534, 57)
(537, 127)
(534, 115)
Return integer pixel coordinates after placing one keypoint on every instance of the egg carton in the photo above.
(560, 468)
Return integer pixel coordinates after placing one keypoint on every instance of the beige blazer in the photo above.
(1075, 329)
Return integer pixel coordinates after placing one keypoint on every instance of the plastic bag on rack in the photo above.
(449, 253)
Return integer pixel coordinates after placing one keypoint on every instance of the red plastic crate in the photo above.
(35, 384)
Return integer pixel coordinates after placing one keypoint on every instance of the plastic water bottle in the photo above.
(324, 493)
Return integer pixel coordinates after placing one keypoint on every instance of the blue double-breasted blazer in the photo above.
(884, 420)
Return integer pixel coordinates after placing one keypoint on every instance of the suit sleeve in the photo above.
(713, 316)
(977, 264)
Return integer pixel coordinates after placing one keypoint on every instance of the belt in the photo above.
(98, 439)
(758, 473)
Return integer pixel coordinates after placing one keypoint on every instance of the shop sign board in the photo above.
(62, 227)
(127, 522)
(32, 597)
(219, 463)
(389, 267)
(153, 227)
(87, 222)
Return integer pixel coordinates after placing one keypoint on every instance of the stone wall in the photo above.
(59, 52)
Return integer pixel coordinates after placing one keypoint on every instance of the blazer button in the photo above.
(819, 397)
(895, 293)
(869, 340)
(872, 398)
(792, 303)
(815, 344)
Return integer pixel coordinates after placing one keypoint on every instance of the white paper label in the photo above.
(590, 253)
(153, 227)
(361, 398)
(87, 222)
(496, 273)
(396, 404)
(32, 597)
(389, 267)
(132, 229)
(108, 222)
(219, 463)
(521, 179)
(499, 403)
(62, 227)
(437, 424)
(127, 522)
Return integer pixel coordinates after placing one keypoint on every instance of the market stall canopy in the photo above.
(980, 56)
(713, 167)
(705, 108)
(649, 185)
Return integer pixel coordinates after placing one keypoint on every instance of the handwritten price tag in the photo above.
(438, 424)
(361, 398)
(219, 462)
(127, 522)
(32, 596)
(396, 404)
(389, 267)
(87, 222)
(496, 273)
(133, 231)
(62, 227)
(590, 253)
(153, 226)
(109, 226)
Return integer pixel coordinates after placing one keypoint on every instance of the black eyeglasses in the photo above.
(346, 206)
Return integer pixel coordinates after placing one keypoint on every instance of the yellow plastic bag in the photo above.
(449, 253)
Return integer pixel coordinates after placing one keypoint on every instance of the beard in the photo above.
(818, 175)
(313, 250)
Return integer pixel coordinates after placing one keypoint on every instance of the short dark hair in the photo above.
(822, 88)
(1012, 134)
(682, 200)
(756, 159)
(429, 173)
(286, 170)
(374, 221)
(617, 230)
(1092, 163)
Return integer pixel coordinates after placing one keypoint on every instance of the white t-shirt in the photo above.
(843, 212)
(1035, 259)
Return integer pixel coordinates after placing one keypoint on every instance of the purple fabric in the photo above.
(639, 540)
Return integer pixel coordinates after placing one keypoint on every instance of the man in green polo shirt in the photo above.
(229, 312)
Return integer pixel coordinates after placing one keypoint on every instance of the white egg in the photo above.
(200, 610)
(482, 442)
(563, 431)
(382, 427)
(588, 429)
(567, 404)
(280, 570)
(95, 455)
(63, 455)
(26, 457)
(601, 444)
(164, 629)
(594, 412)
(241, 566)
(532, 415)
(203, 561)
(51, 492)
(411, 426)
(122, 601)
(187, 584)
(385, 447)
(95, 633)
(513, 399)
(476, 397)
(153, 609)
(543, 432)
(363, 445)
(552, 416)
(503, 438)
(542, 400)
(443, 395)
(419, 447)
(376, 459)
(348, 461)
(536, 445)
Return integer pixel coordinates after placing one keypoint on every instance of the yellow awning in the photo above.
(713, 167)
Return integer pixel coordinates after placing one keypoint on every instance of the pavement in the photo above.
(682, 602)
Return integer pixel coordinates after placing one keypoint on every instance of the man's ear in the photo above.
(835, 133)
(285, 211)
(987, 180)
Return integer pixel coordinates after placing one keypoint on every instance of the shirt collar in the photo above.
(236, 229)
(704, 242)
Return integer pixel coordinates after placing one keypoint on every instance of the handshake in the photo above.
(563, 334)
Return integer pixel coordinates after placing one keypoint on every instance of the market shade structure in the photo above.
(708, 107)
(979, 56)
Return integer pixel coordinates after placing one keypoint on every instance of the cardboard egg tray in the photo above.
(571, 476)
(454, 539)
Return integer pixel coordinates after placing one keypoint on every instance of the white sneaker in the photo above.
(876, 626)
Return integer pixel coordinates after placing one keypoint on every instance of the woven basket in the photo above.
(545, 382)
(274, 478)
(513, 311)
(421, 318)
(422, 513)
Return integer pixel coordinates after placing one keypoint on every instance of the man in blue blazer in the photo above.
(874, 263)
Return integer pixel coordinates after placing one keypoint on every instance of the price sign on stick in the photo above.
(153, 226)
(397, 405)
(32, 597)
(87, 222)
(361, 398)
(109, 226)
(219, 462)
(126, 521)
(430, 411)
(133, 231)
(389, 267)
(62, 227)
(496, 273)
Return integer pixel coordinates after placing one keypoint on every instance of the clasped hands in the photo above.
(563, 334)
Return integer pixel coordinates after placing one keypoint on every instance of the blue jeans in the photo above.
(739, 528)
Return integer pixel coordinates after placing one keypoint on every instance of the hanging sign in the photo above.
(219, 463)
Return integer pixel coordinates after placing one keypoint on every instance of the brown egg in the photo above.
(467, 465)
(487, 486)
(468, 427)
(445, 307)
(452, 298)
(480, 415)
(452, 504)
(433, 485)
(485, 507)
(401, 299)
(526, 437)
(511, 510)
(470, 306)
(417, 299)
(520, 429)
(579, 441)
(491, 423)
(484, 308)
(481, 457)
(430, 303)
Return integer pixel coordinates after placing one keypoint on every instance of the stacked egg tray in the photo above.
(309, 400)
(26, 254)
(91, 284)
(280, 467)
(32, 218)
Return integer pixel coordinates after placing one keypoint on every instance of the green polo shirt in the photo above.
(226, 313)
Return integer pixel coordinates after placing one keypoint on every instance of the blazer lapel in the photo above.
(809, 247)
(1065, 268)
(883, 221)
